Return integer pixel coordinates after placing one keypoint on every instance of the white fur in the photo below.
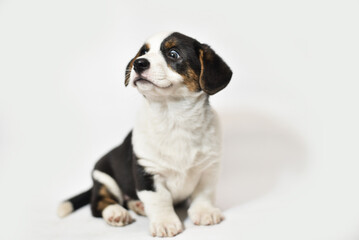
(177, 139)
(116, 215)
(158, 207)
(205, 215)
(110, 184)
(64, 209)
(169, 82)
(137, 207)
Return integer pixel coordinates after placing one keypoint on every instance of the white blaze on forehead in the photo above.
(156, 40)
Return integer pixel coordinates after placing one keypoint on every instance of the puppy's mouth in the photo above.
(143, 80)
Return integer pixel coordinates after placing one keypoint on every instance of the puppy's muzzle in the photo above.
(140, 65)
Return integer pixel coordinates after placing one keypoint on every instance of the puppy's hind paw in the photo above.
(116, 215)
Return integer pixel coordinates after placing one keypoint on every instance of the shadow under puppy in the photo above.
(173, 152)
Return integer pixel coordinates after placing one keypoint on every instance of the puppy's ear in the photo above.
(215, 73)
(128, 70)
(127, 73)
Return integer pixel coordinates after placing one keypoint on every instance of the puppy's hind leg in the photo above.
(104, 204)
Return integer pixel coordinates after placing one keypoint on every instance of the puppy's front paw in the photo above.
(166, 226)
(205, 215)
(136, 206)
(116, 215)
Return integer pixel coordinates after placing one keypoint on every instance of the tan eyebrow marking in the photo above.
(170, 43)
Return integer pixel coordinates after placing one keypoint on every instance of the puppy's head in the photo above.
(172, 64)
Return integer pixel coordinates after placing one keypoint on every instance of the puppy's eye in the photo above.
(173, 54)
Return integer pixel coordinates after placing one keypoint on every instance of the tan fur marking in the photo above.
(190, 79)
(106, 199)
(202, 67)
(170, 43)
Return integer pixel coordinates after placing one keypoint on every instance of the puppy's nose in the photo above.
(141, 65)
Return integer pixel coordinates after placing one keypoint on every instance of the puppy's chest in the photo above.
(181, 184)
(177, 157)
(172, 141)
(176, 149)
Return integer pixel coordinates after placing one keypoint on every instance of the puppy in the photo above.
(173, 152)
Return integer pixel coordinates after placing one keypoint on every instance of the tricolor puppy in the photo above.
(173, 152)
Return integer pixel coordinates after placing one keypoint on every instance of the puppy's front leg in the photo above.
(202, 210)
(159, 208)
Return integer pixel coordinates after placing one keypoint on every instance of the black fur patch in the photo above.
(121, 164)
(143, 180)
(188, 65)
(187, 48)
(200, 66)
(81, 199)
(215, 74)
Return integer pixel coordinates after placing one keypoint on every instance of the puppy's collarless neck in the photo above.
(178, 104)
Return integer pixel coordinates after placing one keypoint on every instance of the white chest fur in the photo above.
(175, 140)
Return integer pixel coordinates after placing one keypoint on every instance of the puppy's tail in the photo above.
(74, 203)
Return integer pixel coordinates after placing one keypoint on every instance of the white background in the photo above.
(290, 114)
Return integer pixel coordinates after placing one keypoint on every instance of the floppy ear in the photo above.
(215, 73)
(128, 71)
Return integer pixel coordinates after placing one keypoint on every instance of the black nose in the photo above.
(141, 65)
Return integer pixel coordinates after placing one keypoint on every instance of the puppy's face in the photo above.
(172, 64)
